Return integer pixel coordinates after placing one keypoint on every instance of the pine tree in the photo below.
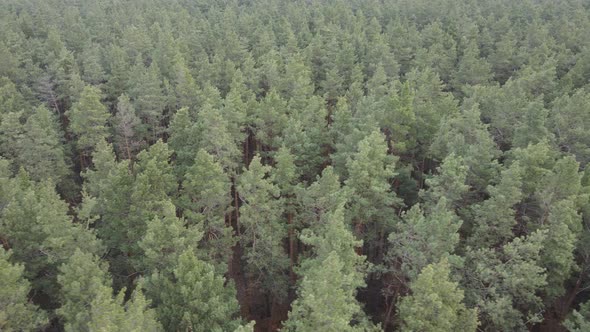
(436, 303)
(326, 295)
(118, 73)
(11, 100)
(321, 197)
(93, 72)
(350, 125)
(556, 204)
(297, 85)
(438, 51)
(263, 228)
(377, 85)
(564, 226)
(420, 240)
(42, 152)
(154, 183)
(126, 127)
(325, 299)
(579, 320)
(88, 118)
(112, 314)
(285, 176)
(246, 328)
(185, 139)
(563, 182)
(495, 217)
(81, 279)
(148, 100)
(12, 133)
(472, 69)
(88, 303)
(533, 128)
(431, 104)
(537, 162)
(466, 136)
(399, 119)
(505, 59)
(185, 87)
(237, 107)
(307, 138)
(372, 200)
(269, 120)
(206, 199)
(504, 284)
(217, 137)
(165, 239)
(110, 183)
(448, 183)
(36, 224)
(16, 312)
(568, 121)
(192, 297)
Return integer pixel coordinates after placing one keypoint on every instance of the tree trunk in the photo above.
(358, 228)
(127, 148)
(292, 253)
(236, 272)
(237, 207)
(388, 313)
(81, 161)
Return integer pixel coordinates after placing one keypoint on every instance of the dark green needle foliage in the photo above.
(330, 280)
(16, 311)
(192, 297)
(435, 303)
(266, 165)
(88, 303)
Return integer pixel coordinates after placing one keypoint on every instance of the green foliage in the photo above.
(126, 128)
(503, 284)
(436, 303)
(269, 118)
(35, 145)
(88, 303)
(11, 100)
(448, 183)
(564, 226)
(568, 120)
(420, 240)
(246, 328)
(184, 139)
(217, 137)
(206, 198)
(16, 312)
(36, 225)
(154, 182)
(331, 277)
(579, 320)
(321, 197)
(42, 153)
(472, 69)
(192, 297)
(372, 199)
(81, 279)
(88, 118)
(111, 184)
(263, 227)
(494, 218)
(236, 132)
(148, 99)
(467, 137)
(165, 239)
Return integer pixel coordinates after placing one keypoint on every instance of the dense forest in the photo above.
(290, 165)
